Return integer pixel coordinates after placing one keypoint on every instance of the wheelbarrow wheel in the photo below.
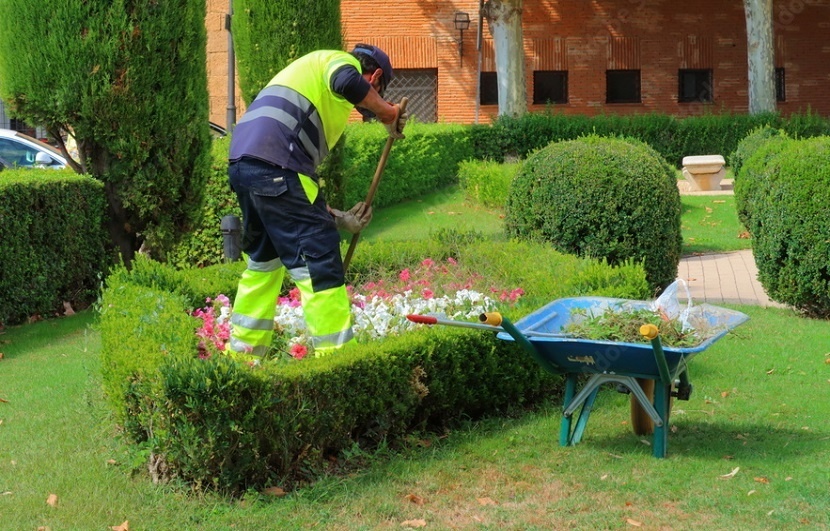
(641, 423)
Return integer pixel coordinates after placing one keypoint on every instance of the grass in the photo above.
(756, 407)
(709, 223)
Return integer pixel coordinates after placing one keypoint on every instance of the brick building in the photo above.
(586, 57)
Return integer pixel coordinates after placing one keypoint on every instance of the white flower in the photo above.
(378, 317)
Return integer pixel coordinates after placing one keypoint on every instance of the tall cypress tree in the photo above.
(269, 34)
(128, 79)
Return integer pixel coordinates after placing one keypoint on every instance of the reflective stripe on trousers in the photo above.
(327, 313)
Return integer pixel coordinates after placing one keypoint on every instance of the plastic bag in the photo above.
(669, 305)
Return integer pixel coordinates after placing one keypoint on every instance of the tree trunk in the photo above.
(504, 18)
(760, 56)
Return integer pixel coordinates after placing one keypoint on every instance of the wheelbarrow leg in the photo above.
(582, 421)
(567, 420)
(662, 395)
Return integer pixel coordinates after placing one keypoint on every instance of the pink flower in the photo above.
(404, 275)
(452, 260)
(428, 262)
(427, 294)
(299, 351)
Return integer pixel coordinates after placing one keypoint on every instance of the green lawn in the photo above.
(748, 451)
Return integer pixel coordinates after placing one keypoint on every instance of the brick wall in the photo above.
(658, 37)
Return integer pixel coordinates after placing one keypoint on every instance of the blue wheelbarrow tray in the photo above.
(634, 367)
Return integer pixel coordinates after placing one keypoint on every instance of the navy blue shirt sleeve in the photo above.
(347, 82)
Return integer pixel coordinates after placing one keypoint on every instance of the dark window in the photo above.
(489, 89)
(780, 85)
(622, 86)
(550, 86)
(695, 86)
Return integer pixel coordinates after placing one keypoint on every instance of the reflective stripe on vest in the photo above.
(295, 112)
(297, 118)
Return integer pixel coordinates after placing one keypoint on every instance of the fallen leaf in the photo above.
(112, 462)
(414, 523)
(125, 526)
(770, 513)
(633, 522)
(770, 371)
(4, 400)
(52, 500)
(486, 501)
(1, 356)
(724, 394)
(744, 235)
(827, 361)
(750, 493)
(788, 478)
(277, 492)
(604, 477)
(731, 474)
(762, 480)
(646, 442)
(7, 493)
(414, 498)
(719, 201)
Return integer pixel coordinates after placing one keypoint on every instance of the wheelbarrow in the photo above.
(651, 373)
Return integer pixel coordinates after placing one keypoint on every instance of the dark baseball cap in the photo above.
(380, 58)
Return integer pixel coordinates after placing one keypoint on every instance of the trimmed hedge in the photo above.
(672, 137)
(487, 182)
(426, 160)
(53, 244)
(218, 424)
(608, 198)
(790, 196)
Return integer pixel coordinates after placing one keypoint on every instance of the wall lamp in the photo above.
(462, 22)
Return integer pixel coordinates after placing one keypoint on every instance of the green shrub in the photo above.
(53, 245)
(751, 182)
(789, 223)
(601, 198)
(487, 182)
(218, 424)
(749, 144)
(203, 245)
(427, 159)
(672, 137)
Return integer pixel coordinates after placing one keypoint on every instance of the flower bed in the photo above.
(379, 308)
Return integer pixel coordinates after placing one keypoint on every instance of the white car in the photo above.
(23, 151)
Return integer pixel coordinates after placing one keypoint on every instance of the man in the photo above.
(275, 150)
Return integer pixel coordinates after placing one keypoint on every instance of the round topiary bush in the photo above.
(750, 144)
(764, 140)
(602, 198)
(789, 224)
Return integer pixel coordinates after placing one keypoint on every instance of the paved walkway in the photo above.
(722, 277)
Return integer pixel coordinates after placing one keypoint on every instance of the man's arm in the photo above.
(348, 82)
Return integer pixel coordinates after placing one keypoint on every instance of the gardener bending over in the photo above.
(275, 150)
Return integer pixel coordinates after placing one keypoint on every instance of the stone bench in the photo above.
(704, 172)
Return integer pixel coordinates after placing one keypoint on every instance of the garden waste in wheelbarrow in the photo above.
(643, 369)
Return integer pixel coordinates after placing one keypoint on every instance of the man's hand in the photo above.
(396, 127)
(355, 220)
